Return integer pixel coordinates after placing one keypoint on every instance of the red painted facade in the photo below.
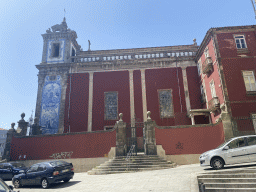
(76, 103)
(83, 145)
(189, 140)
(117, 81)
(230, 63)
(166, 78)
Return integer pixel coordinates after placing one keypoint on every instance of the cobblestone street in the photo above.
(179, 179)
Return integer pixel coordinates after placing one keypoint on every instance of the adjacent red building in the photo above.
(226, 65)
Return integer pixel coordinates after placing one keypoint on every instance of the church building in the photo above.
(195, 97)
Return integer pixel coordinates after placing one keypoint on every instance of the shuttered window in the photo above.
(249, 80)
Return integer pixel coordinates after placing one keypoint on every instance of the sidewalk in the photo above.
(179, 179)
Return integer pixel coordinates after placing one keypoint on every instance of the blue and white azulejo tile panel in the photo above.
(50, 105)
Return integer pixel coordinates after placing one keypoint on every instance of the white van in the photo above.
(234, 151)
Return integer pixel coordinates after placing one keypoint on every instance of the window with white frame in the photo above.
(240, 42)
(206, 52)
(249, 80)
(212, 87)
(2, 145)
(203, 99)
(199, 66)
(165, 103)
(111, 106)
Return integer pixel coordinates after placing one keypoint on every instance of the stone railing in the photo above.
(214, 104)
(207, 65)
(131, 56)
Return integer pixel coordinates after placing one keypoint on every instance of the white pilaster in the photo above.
(89, 128)
(144, 98)
(192, 119)
(132, 112)
(185, 84)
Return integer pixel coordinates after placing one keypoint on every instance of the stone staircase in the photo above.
(140, 162)
(238, 180)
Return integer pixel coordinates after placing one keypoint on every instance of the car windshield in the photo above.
(223, 144)
(18, 165)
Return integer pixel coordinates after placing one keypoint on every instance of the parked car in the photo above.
(44, 174)
(234, 151)
(8, 170)
(4, 187)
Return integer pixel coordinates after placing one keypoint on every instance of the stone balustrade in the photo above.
(131, 56)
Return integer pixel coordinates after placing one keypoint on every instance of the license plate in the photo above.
(65, 170)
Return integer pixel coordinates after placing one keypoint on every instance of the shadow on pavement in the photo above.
(234, 167)
(58, 185)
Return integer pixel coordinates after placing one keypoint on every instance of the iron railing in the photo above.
(131, 152)
(207, 65)
(214, 104)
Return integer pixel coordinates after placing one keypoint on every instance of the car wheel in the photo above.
(16, 183)
(217, 163)
(66, 180)
(45, 183)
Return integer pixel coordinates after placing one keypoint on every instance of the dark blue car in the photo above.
(8, 170)
(44, 174)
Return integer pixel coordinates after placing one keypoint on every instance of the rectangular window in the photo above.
(249, 80)
(199, 67)
(55, 49)
(212, 87)
(202, 94)
(206, 52)
(165, 103)
(111, 106)
(240, 42)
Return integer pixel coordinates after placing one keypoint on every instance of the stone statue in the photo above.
(48, 30)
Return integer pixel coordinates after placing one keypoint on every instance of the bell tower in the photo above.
(59, 46)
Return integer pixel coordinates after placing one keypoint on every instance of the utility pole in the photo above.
(254, 4)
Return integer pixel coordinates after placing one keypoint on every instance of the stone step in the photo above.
(137, 165)
(230, 185)
(138, 160)
(134, 163)
(132, 167)
(236, 175)
(231, 171)
(230, 189)
(139, 157)
(103, 171)
(226, 180)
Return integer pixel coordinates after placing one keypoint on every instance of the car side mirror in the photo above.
(226, 148)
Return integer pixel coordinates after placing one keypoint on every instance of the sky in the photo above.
(108, 24)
